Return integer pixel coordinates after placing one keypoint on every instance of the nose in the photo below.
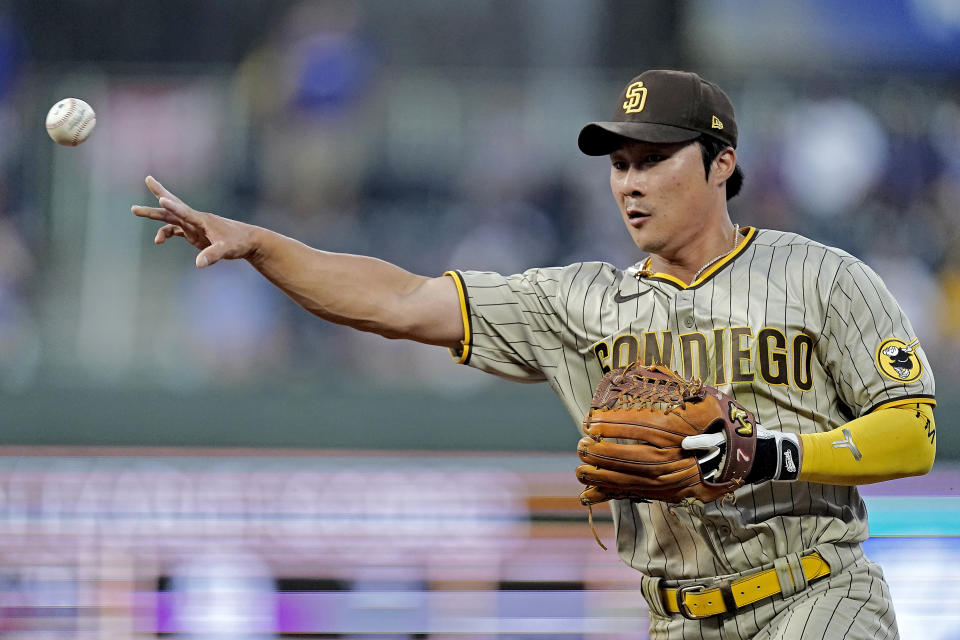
(630, 182)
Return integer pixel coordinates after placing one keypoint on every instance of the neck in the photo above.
(699, 255)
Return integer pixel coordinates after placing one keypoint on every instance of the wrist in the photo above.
(257, 245)
(778, 457)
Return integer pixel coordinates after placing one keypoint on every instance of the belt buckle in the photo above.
(682, 605)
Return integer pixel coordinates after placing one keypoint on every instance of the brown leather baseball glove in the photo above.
(637, 422)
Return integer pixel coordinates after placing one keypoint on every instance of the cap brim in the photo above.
(602, 138)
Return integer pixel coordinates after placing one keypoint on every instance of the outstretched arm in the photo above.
(358, 291)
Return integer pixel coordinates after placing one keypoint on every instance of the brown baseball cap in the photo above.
(663, 106)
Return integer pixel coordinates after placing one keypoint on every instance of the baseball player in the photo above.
(803, 335)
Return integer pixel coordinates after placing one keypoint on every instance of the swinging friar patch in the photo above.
(898, 360)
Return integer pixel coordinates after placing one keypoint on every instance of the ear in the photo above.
(723, 166)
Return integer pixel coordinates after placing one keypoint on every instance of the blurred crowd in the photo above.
(320, 132)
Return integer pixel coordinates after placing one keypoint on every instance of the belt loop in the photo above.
(650, 587)
(790, 574)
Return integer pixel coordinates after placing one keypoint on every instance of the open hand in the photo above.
(217, 238)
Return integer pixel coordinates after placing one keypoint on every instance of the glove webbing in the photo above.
(661, 392)
(647, 391)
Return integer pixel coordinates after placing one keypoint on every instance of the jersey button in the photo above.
(723, 531)
(688, 322)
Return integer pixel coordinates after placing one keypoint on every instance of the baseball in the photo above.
(70, 121)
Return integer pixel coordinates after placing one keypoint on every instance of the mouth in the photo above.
(636, 217)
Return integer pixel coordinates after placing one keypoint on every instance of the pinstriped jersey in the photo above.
(804, 335)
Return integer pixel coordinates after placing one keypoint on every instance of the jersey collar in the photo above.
(644, 272)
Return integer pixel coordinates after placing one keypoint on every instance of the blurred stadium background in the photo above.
(177, 445)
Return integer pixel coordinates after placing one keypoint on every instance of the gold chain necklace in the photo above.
(736, 241)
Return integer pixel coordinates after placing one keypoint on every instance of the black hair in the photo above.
(710, 148)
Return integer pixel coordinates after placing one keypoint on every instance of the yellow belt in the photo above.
(696, 601)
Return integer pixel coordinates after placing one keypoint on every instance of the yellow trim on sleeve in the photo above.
(892, 443)
(464, 355)
(904, 401)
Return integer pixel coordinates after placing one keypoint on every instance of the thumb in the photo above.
(210, 255)
(703, 441)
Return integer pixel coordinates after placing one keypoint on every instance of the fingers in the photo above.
(159, 190)
(183, 213)
(710, 464)
(167, 231)
(182, 220)
(703, 441)
(154, 213)
(172, 203)
(714, 445)
(173, 214)
(165, 215)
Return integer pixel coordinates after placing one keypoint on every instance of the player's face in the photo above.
(662, 193)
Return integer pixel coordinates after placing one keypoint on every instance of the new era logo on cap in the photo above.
(663, 106)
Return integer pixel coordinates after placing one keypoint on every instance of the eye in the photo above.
(653, 158)
(619, 165)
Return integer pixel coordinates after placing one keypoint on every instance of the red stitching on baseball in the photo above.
(73, 106)
(83, 125)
